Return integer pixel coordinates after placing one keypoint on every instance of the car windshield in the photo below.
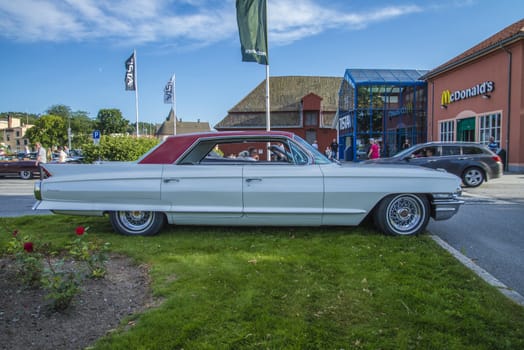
(318, 157)
(406, 152)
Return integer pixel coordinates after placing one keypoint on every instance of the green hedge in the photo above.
(117, 148)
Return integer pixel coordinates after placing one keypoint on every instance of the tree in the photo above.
(144, 128)
(60, 110)
(81, 128)
(110, 121)
(50, 130)
(25, 118)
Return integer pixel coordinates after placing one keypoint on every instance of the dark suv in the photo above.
(472, 162)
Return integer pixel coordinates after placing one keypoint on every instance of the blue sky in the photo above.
(72, 52)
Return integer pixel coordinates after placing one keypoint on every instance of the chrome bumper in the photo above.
(443, 209)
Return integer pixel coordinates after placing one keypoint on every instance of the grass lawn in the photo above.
(298, 288)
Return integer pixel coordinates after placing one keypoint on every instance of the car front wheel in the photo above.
(402, 214)
(473, 177)
(137, 223)
(26, 175)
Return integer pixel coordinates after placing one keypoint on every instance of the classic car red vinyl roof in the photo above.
(174, 146)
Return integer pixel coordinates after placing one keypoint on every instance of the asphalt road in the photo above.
(16, 198)
(487, 229)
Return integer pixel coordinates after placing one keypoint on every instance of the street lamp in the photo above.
(69, 133)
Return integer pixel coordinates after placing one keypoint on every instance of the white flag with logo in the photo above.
(169, 91)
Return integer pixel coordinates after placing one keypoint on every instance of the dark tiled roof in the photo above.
(508, 35)
(286, 94)
(182, 127)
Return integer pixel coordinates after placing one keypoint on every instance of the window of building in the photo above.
(386, 103)
(17, 133)
(447, 130)
(311, 119)
(489, 125)
(311, 136)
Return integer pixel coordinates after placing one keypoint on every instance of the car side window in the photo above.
(299, 157)
(450, 150)
(471, 150)
(428, 151)
(241, 152)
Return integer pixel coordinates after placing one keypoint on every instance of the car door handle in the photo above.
(253, 179)
(171, 179)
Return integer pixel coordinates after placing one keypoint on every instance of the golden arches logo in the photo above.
(445, 99)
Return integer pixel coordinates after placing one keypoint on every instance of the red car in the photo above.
(26, 169)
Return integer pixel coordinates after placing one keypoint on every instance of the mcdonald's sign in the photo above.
(445, 98)
(448, 97)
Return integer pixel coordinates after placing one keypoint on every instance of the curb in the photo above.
(486, 276)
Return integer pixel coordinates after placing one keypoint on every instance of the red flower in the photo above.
(28, 247)
(80, 230)
(15, 233)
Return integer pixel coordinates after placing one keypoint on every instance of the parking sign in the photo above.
(96, 137)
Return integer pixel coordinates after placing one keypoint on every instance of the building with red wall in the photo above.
(479, 94)
(304, 105)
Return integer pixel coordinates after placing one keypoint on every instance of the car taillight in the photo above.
(497, 159)
(44, 173)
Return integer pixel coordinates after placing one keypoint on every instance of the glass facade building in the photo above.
(389, 105)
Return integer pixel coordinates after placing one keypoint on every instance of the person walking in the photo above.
(62, 156)
(334, 149)
(41, 154)
(374, 149)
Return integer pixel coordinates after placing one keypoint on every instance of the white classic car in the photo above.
(250, 178)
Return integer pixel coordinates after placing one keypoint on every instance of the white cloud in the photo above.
(291, 21)
(191, 22)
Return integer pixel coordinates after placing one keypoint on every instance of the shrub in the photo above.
(117, 148)
(60, 273)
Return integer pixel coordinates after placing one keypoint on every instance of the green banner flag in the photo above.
(252, 27)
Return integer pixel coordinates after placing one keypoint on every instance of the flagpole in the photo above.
(268, 110)
(136, 93)
(173, 104)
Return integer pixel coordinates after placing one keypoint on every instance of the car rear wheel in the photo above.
(473, 177)
(402, 214)
(26, 174)
(137, 223)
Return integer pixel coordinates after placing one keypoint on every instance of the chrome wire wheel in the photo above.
(403, 214)
(137, 222)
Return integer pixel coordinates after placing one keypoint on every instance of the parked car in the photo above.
(26, 169)
(25, 156)
(185, 180)
(472, 162)
(71, 158)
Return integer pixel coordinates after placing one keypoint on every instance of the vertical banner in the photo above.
(130, 73)
(252, 28)
(169, 91)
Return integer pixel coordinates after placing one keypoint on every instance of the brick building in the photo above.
(480, 94)
(306, 106)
